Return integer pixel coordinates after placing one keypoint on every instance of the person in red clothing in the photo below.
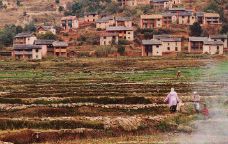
(205, 111)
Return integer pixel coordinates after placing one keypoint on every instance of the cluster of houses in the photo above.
(113, 28)
(155, 3)
(161, 44)
(27, 46)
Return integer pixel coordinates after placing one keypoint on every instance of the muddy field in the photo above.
(66, 100)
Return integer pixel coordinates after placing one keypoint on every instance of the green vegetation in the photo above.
(48, 36)
(195, 29)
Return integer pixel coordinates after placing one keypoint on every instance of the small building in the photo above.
(60, 48)
(45, 29)
(186, 18)
(24, 38)
(47, 46)
(132, 3)
(200, 17)
(105, 22)
(108, 38)
(151, 21)
(151, 47)
(171, 45)
(211, 18)
(168, 19)
(123, 32)
(30, 52)
(161, 4)
(123, 21)
(195, 44)
(69, 22)
(213, 47)
(91, 17)
(223, 38)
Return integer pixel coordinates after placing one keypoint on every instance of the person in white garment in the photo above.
(173, 100)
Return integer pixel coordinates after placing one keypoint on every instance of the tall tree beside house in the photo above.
(30, 27)
(196, 29)
(224, 29)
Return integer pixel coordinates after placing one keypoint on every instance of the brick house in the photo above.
(123, 21)
(151, 21)
(27, 51)
(45, 29)
(24, 38)
(213, 47)
(60, 49)
(161, 44)
(195, 44)
(105, 22)
(47, 46)
(211, 18)
(151, 47)
(123, 32)
(205, 45)
(91, 17)
(161, 4)
(108, 38)
(223, 38)
(69, 22)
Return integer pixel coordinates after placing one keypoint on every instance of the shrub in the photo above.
(104, 51)
(123, 42)
(121, 49)
(48, 35)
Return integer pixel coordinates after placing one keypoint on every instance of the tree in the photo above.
(121, 49)
(48, 36)
(30, 27)
(196, 29)
(224, 29)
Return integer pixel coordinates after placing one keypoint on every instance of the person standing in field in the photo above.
(173, 100)
(196, 100)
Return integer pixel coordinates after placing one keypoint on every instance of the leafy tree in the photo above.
(8, 33)
(48, 36)
(30, 27)
(57, 1)
(121, 49)
(224, 29)
(196, 29)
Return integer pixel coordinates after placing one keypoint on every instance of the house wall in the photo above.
(213, 49)
(188, 20)
(44, 51)
(171, 46)
(156, 50)
(129, 35)
(36, 54)
(30, 40)
(91, 18)
(107, 40)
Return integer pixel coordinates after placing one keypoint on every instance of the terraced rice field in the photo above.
(53, 101)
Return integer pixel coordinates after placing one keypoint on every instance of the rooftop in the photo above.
(218, 36)
(159, 1)
(105, 19)
(26, 47)
(211, 42)
(45, 27)
(44, 42)
(60, 44)
(118, 28)
(69, 18)
(198, 39)
(123, 19)
(108, 34)
(151, 42)
(21, 35)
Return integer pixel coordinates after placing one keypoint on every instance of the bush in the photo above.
(195, 29)
(104, 51)
(48, 36)
(121, 49)
(123, 42)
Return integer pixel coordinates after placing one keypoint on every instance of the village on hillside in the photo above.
(169, 30)
(113, 71)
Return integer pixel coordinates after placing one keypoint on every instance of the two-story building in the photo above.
(27, 51)
(195, 44)
(109, 38)
(223, 38)
(91, 17)
(123, 32)
(47, 46)
(161, 4)
(123, 21)
(211, 18)
(151, 21)
(45, 29)
(69, 23)
(60, 48)
(213, 47)
(24, 38)
(161, 44)
(105, 22)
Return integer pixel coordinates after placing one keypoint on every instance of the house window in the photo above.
(129, 32)
(176, 48)
(168, 44)
(217, 48)
(157, 46)
(37, 56)
(104, 37)
(168, 48)
(37, 50)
